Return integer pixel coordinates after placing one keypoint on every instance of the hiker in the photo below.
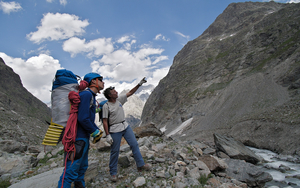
(75, 168)
(116, 127)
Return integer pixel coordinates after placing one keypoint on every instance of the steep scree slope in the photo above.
(22, 116)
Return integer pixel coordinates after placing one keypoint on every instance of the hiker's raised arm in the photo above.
(133, 90)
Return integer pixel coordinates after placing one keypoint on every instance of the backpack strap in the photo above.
(92, 101)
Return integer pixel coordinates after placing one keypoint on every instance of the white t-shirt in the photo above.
(116, 115)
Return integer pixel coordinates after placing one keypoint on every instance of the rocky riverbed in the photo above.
(174, 164)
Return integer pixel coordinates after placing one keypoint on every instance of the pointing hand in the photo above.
(143, 81)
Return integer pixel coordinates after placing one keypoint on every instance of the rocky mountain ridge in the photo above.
(23, 117)
(239, 78)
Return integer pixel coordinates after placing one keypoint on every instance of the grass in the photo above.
(193, 93)
(215, 86)
(46, 158)
(203, 179)
(190, 150)
(4, 184)
(280, 50)
(222, 55)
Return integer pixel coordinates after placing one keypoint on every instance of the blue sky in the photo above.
(123, 40)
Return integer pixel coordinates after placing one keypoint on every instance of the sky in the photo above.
(122, 40)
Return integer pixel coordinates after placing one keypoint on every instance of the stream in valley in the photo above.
(284, 169)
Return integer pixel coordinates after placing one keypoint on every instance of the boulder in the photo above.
(140, 181)
(33, 149)
(124, 161)
(47, 179)
(12, 146)
(213, 163)
(248, 173)
(235, 149)
(14, 165)
(102, 145)
(202, 167)
(147, 130)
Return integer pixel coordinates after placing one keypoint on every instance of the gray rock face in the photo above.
(22, 116)
(239, 78)
(235, 149)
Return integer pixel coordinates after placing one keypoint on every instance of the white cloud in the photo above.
(182, 35)
(40, 50)
(36, 73)
(117, 64)
(161, 37)
(146, 52)
(57, 27)
(157, 75)
(157, 37)
(8, 7)
(94, 48)
(127, 41)
(63, 2)
(182, 38)
(124, 39)
(152, 78)
(159, 59)
(123, 65)
(294, 1)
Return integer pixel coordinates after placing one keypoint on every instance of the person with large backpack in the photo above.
(77, 164)
(116, 127)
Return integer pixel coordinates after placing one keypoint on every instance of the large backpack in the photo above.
(99, 109)
(64, 82)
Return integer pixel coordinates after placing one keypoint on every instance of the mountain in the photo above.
(239, 78)
(23, 117)
(134, 106)
(133, 109)
(144, 92)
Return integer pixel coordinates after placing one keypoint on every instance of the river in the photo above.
(284, 169)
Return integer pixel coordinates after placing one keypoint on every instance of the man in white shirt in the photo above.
(116, 127)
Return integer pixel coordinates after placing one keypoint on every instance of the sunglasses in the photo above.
(100, 79)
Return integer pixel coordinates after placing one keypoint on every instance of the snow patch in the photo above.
(231, 35)
(163, 129)
(181, 127)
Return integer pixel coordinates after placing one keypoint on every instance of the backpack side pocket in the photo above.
(79, 147)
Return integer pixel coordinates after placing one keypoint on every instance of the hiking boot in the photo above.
(113, 178)
(146, 167)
